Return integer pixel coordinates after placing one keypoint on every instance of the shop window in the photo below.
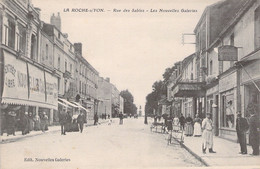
(257, 28)
(228, 111)
(252, 99)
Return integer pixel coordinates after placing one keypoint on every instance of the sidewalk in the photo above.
(18, 135)
(227, 153)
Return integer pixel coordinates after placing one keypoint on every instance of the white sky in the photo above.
(133, 49)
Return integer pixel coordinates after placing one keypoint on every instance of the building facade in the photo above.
(104, 97)
(86, 79)
(222, 83)
(28, 79)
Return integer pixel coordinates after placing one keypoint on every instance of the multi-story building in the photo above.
(115, 101)
(225, 66)
(236, 69)
(104, 97)
(28, 79)
(86, 80)
(64, 61)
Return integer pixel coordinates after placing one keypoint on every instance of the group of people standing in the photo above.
(25, 122)
(204, 128)
(71, 123)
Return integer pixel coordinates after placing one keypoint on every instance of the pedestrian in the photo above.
(63, 120)
(10, 121)
(121, 117)
(96, 118)
(254, 126)
(189, 126)
(31, 121)
(24, 121)
(44, 122)
(207, 135)
(241, 128)
(3, 123)
(169, 125)
(182, 121)
(176, 124)
(37, 123)
(80, 121)
(197, 126)
(68, 122)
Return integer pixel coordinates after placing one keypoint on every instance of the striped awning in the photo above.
(14, 101)
(80, 106)
(67, 102)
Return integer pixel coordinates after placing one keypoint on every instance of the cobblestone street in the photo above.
(103, 146)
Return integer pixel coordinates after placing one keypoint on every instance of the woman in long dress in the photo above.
(176, 124)
(189, 126)
(207, 134)
(197, 126)
(37, 121)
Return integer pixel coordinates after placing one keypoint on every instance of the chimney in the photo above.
(56, 21)
(108, 79)
(78, 48)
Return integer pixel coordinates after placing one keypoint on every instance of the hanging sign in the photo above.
(227, 53)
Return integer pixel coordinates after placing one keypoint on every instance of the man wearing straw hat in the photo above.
(207, 135)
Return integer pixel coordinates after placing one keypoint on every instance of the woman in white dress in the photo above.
(176, 124)
(197, 126)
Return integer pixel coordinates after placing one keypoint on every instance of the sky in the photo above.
(132, 48)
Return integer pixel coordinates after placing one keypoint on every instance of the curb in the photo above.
(192, 153)
(11, 140)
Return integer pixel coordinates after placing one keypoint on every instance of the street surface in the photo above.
(131, 145)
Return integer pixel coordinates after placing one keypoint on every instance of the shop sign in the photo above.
(228, 82)
(227, 53)
(15, 78)
(212, 90)
(26, 84)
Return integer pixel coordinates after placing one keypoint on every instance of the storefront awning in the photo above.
(255, 55)
(60, 103)
(16, 101)
(67, 102)
(80, 106)
(188, 89)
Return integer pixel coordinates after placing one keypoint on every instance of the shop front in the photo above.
(228, 104)
(192, 95)
(250, 84)
(27, 88)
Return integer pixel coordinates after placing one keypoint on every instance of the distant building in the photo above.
(104, 96)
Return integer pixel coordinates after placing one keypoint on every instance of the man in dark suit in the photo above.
(80, 121)
(63, 120)
(242, 127)
(254, 125)
(182, 121)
